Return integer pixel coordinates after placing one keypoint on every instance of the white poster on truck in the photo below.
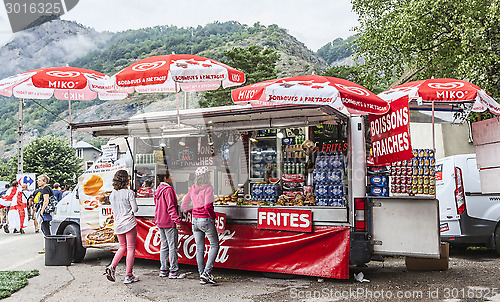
(95, 186)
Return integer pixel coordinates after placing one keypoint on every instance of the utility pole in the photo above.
(20, 139)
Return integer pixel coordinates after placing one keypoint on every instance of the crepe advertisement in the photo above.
(96, 217)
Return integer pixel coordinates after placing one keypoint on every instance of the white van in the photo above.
(467, 217)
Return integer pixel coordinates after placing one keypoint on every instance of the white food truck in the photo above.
(282, 207)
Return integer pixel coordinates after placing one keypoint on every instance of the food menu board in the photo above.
(96, 217)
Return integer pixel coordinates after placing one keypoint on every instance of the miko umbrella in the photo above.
(171, 73)
(312, 89)
(443, 91)
(64, 83)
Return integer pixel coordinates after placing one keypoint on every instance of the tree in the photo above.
(358, 75)
(440, 38)
(51, 156)
(257, 63)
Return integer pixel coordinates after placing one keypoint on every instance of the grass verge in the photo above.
(12, 281)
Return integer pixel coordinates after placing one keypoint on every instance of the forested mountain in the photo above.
(59, 43)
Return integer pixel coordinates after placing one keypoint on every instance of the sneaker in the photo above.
(21, 231)
(203, 281)
(6, 228)
(176, 275)
(130, 279)
(110, 273)
(208, 278)
(15, 231)
(163, 274)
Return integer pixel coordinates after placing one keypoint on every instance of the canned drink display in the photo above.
(398, 170)
(403, 180)
(432, 161)
(408, 179)
(415, 152)
(420, 152)
(420, 161)
(415, 162)
(426, 161)
(415, 171)
(404, 163)
(420, 171)
(426, 170)
(420, 189)
(408, 188)
(403, 171)
(393, 188)
(397, 180)
(426, 180)
(431, 153)
(403, 188)
(414, 189)
(426, 152)
(432, 180)
(420, 180)
(409, 170)
(432, 190)
(432, 171)
(414, 180)
(426, 189)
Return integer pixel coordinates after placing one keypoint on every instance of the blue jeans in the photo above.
(168, 249)
(202, 227)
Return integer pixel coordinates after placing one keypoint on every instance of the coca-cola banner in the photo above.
(390, 133)
(284, 219)
(322, 253)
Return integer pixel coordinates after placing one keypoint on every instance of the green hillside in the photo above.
(110, 52)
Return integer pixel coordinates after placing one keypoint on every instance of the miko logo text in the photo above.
(25, 14)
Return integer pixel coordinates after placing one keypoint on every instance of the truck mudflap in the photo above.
(323, 253)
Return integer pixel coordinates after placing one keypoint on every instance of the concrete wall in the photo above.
(451, 139)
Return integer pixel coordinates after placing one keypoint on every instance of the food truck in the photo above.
(290, 185)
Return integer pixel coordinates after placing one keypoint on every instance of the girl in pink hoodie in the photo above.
(169, 224)
(200, 200)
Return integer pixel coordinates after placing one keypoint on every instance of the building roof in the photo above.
(85, 145)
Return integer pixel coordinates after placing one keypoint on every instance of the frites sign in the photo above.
(390, 133)
(284, 219)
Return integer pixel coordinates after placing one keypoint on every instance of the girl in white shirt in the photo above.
(123, 205)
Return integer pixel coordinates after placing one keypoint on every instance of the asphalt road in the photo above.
(473, 272)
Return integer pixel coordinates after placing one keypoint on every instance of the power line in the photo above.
(51, 112)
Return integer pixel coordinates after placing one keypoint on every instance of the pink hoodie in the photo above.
(166, 213)
(202, 199)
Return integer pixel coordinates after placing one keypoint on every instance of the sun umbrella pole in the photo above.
(433, 134)
(70, 125)
(177, 105)
(20, 139)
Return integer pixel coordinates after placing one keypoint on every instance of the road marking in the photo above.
(24, 262)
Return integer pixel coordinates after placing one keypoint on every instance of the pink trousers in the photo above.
(127, 244)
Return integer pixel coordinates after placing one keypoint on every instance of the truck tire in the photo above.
(79, 252)
(497, 239)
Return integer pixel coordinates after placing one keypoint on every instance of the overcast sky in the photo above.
(313, 22)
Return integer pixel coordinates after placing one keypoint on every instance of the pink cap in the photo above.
(201, 170)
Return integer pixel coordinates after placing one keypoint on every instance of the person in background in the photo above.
(3, 208)
(67, 190)
(45, 193)
(4, 190)
(57, 191)
(123, 205)
(6, 202)
(34, 206)
(200, 200)
(146, 190)
(169, 224)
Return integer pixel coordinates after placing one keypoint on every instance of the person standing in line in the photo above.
(200, 200)
(45, 194)
(169, 224)
(124, 206)
(6, 202)
(34, 206)
(57, 191)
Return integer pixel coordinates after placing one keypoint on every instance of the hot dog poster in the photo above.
(96, 217)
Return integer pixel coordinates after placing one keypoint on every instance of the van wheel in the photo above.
(79, 252)
(497, 239)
